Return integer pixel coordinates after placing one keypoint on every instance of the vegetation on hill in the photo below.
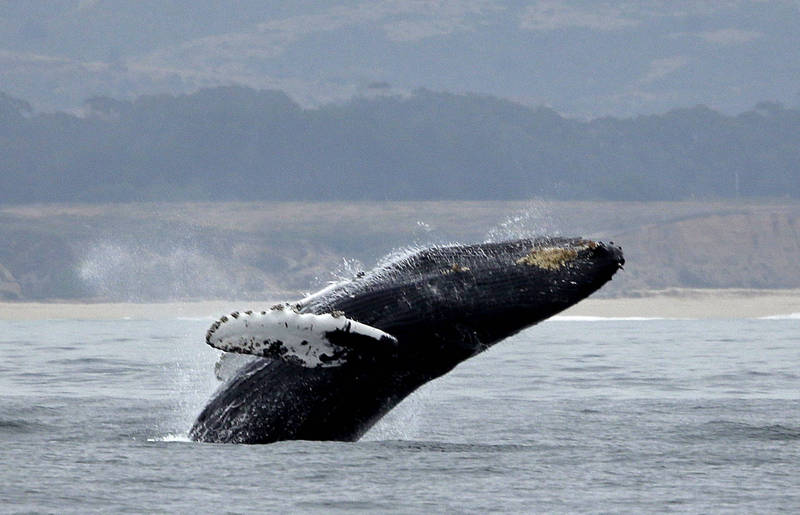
(235, 143)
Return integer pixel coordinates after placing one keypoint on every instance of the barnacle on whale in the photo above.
(548, 258)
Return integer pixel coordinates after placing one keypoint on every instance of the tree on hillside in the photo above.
(238, 143)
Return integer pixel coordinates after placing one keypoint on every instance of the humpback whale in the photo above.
(329, 366)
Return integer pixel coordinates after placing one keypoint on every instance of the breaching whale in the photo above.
(332, 364)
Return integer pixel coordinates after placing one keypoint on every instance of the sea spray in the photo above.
(192, 379)
(532, 221)
(405, 421)
(143, 271)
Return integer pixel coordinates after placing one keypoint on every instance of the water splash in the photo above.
(423, 227)
(180, 437)
(137, 271)
(404, 422)
(347, 269)
(398, 254)
(534, 220)
(189, 374)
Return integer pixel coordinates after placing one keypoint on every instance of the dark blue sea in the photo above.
(573, 415)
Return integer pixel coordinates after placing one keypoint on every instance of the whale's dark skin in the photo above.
(443, 304)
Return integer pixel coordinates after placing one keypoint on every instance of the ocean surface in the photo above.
(573, 415)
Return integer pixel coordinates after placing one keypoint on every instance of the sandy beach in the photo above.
(694, 303)
(673, 303)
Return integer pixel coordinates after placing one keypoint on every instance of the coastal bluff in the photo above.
(143, 252)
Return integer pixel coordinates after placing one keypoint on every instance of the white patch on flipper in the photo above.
(282, 333)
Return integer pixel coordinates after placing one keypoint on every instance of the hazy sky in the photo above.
(583, 58)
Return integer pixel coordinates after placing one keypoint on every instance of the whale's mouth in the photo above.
(607, 252)
(609, 255)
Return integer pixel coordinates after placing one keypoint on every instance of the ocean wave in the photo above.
(18, 426)
(790, 316)
(182, 437)
(434, 446)
(731, 429)
(581, 318)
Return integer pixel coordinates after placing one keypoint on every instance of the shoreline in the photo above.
(672, 303)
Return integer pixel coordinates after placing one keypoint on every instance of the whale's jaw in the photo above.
(441, 304)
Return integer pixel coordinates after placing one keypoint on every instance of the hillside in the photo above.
(169, 251)
(585, 58)
(228, 144)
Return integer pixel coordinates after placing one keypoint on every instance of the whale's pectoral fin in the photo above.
(301, 338)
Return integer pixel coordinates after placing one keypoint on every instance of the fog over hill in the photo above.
(584, 58)
(235, 143)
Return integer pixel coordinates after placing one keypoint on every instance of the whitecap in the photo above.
(182, 437)
(581, 318)
(790, 316)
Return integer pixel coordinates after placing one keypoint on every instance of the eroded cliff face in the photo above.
(748, 248)
(9, 287)
(175, 251)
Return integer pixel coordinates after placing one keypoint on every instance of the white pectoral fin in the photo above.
(305, 339)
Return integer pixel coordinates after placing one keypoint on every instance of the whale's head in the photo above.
(548, 275)
(465, 298)
(529, 281)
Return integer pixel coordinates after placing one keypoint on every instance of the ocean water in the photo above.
(573, 415)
